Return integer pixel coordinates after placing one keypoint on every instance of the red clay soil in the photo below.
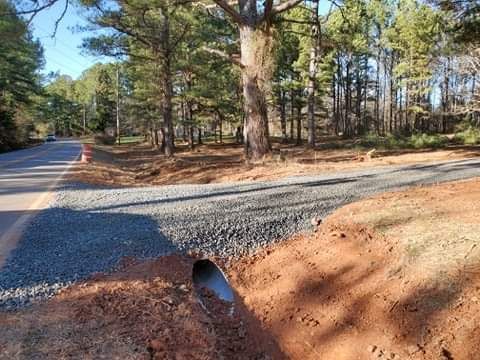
(350, 292)
(145, 311)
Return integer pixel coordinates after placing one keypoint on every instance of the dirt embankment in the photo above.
(396, 276)
(139, 165)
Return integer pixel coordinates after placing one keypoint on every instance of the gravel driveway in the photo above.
(88, 229)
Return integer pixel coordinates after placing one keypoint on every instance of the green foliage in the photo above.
(414, 35)
(422, 141)
(469, 136)
(415, 141)
(464, 19)
(380, 66)
(58, 105)
(105, 98)
(65, 101)
(20, 58)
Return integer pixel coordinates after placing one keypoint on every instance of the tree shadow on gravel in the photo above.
(63, 245)
(442, 167)
(369, 181)
(253, 189)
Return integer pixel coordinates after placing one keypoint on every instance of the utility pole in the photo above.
(118, 106)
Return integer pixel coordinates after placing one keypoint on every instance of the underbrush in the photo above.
(415, 141)
(102, 139)
(469, 136)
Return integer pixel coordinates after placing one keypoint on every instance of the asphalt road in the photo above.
(27, 178)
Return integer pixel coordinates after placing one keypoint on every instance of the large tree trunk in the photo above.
(220, 128)
(167, 87)
(338, 117)
(167, 113)
(334, 99)
(348, 96)
(377, 94)
(255, 47)
(162, 139)
(446, 89)
(191, 143)
(215, 124)
(283, 115)
(312, 74)
(199, 136)
(392, 94)
(384, 95)
(358, 100)
(292, 114)
(366, 126)
(407, 108)
(184, 120)
(256, 62)
(299, 125)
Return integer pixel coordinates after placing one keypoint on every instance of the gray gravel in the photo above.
(88, 229)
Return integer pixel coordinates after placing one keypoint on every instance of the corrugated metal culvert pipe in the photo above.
(207, 275)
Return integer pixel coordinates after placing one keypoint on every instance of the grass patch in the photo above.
(415, 141)
(100, 138)
(131, 139)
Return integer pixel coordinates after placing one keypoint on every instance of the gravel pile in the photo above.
(88, 229)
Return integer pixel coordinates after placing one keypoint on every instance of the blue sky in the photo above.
(62, 53)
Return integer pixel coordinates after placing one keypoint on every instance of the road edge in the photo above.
(10, 239)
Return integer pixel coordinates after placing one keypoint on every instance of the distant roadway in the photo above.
(27, 178)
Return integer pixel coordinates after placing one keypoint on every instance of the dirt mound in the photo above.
(144, 311)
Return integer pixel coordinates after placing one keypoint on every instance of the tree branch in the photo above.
(284, 6)
(302, 22)
(37, 9)
(186, 29)
(234, 14)
(62, 15)
(232, 58)
(268, 9)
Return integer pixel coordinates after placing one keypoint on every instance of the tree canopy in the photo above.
(20, 60)
(284, 69)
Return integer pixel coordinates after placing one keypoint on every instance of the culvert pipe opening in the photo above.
(208, 276)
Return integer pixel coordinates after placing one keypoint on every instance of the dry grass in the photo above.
(437, 226)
